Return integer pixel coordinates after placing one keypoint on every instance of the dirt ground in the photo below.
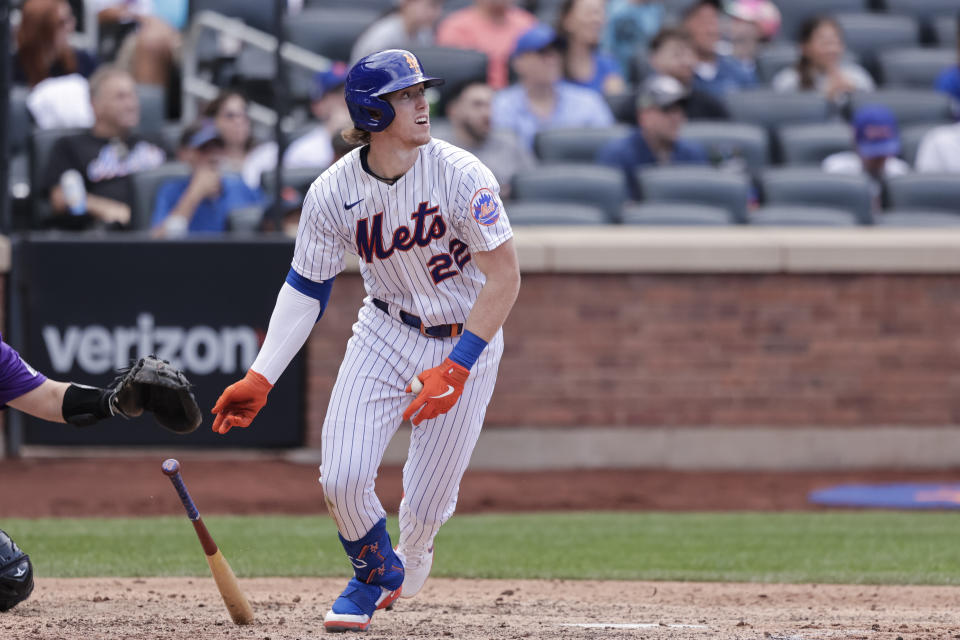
(292, 609)
(288, 609)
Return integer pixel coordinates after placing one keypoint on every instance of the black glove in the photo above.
(153, 385)
(16, 574)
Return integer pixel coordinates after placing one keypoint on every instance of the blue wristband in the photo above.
(468, 349)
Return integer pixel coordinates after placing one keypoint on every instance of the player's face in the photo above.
(411, 122)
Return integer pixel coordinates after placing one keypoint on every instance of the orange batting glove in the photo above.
(442, 387)
(239, 403)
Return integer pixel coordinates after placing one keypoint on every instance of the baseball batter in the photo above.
(441, 275)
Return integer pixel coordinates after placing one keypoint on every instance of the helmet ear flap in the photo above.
(371, 113)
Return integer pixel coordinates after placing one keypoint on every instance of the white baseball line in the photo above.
(632, 625)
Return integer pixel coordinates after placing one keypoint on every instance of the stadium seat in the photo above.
(775, 56)
(696, 185)
(915, 67)
(329, 32)
(300, 179)
(945, 28)
(910, 106)
(153, 109)
(582, 183)
(726, 141)
(545, 212)
(259, 15)
(676, 214)
(809, 144)
(802, 216)
(910, 138)
(924, 11)
(809, 186)
(624, 107)
(381, 6)
(575, 145)
(245, 219)
(795, 12)
(917, 218)
(145, 185)
(19, 123)
(924, 191)
(771, 109)
(868, 33)
(455, 66)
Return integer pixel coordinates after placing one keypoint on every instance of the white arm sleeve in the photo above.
(293, 318)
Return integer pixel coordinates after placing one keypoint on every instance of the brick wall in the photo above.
(655, 350)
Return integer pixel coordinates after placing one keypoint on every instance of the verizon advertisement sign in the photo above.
(89, 307)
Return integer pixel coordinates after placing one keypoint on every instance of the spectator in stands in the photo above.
(580, 24)
(202, 201)
(104, 157)
(657, 141)
(949, 80)
(751, 22)
(43, 44)
(631, 24)
(939, 150)
(469, 115)
(315, 149)
(412, 23)
(714, 73)
(821, 66)
(152, 45)
(877, 145)
(671, 54)
(490, 26)
(541, 99)
(241, 154)
(283, 216)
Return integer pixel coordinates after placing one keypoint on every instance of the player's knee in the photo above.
(16, 574)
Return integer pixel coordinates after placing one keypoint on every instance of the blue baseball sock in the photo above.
(373, 559)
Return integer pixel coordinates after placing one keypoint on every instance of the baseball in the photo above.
(415, 385)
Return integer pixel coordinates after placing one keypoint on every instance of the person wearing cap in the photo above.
(540, 99)
(715, 73)
(327, 105)
(671, 54)
(491, 27)
(877, 140)
(202, 201)
(411, 24)
(657, 141)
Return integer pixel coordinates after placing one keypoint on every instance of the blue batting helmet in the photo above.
(378, 74)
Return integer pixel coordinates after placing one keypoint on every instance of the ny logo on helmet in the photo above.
(412, 62)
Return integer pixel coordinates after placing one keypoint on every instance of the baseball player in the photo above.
(26, 389)
(441, 275)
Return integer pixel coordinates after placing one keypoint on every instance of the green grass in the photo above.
(842, 547)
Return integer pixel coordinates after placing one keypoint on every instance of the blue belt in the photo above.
(438, 331)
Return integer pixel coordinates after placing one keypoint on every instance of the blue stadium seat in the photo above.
(381, 6)
(575, 145)
(455, 66)
(145, 185)
(775, 56)
(588, 184)
(924, 11)
(925, 191)
(624, 107)
(802, 216)
(945, 28)
(914, 67)
(259, 15)
(917, 218)
(329, 32)
(545, 212)
(153, 109)
(676, 214)
(771, 109)
(809, 144)
(696, 185)
(300, 179)
(910, 106)
(795, 12)
(809, 186)
(731, 141)
(910, 138)
(866, 34)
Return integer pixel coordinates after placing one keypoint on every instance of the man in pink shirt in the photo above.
(489, 26)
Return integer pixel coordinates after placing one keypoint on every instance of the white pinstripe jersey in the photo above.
(414, 237)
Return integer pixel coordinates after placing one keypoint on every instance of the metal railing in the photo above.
(195, 88)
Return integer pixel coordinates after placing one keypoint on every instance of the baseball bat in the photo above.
(233, 597)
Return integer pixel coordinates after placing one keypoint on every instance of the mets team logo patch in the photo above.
(484, 206)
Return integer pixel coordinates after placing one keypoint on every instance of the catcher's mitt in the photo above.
(16, 574)
(153, 385)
